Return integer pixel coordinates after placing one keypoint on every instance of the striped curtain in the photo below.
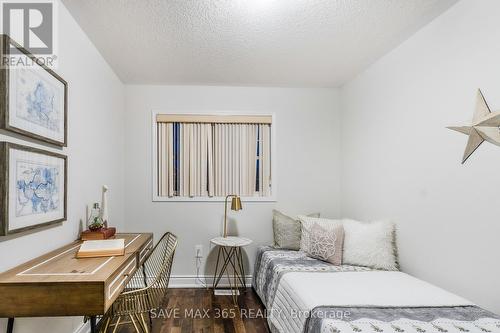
(165, 159)
(206, 160)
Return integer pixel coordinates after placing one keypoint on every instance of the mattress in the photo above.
(307, 295)
(271, 265)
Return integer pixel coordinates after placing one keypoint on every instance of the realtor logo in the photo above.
(31, 24)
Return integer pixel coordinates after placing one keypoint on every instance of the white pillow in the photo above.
(370, 244)
(307, 222)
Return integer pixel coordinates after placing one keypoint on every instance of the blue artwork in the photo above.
(37, 188)
(39, 100)
(40, 107)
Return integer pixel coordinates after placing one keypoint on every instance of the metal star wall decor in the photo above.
(485, 127)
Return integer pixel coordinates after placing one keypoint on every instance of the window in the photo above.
(211, 156)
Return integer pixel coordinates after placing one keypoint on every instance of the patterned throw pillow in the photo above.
(326, 244)
(307, 222)
(287, 231)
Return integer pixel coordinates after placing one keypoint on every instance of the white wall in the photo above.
(307, 163)
(95, 156)
(400, 162)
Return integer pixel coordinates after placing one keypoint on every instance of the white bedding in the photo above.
(300, 292)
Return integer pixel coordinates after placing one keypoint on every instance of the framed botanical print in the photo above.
(33, 188)
(33, 98)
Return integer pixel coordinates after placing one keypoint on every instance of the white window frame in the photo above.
(154, 160)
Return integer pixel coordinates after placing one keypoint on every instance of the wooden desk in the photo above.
(58, 284)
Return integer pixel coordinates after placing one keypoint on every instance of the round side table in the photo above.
(230, 254)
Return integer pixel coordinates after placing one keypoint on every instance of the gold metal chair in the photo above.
(145, 291)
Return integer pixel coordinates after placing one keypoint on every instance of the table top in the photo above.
(61, 265)
(231, 241)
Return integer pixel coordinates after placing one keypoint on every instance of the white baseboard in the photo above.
(84, 328)
(190, 281)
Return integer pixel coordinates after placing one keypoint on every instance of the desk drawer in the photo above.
(117, 282)
(144, 252)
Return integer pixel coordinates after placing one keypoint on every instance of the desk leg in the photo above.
(10, 325)
(93, 324)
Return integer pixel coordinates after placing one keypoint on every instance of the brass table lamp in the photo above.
(235, 205)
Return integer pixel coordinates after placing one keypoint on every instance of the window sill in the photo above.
(211, 199)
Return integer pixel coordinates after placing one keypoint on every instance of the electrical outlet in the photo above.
(198, 250)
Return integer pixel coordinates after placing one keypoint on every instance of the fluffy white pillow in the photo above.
(370, 244)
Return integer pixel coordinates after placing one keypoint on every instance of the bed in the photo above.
(302, 294)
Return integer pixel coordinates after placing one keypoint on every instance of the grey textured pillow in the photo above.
(287, 231)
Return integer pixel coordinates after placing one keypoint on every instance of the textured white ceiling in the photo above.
(316, 43)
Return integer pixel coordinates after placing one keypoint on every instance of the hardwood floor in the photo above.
(200, 311)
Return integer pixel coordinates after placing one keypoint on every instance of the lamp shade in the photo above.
(236, 203)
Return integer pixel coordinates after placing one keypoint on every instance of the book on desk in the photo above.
(101, 248)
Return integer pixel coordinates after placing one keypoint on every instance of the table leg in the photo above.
(10, 325)
(233, 257)
(216, 268)
(227, 257)
(220, 274)
(241, 268)
(93, 324)
(235, 263)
